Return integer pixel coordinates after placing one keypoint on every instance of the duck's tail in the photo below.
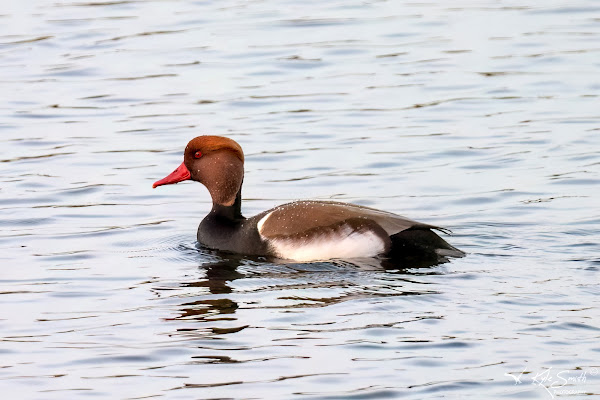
(421, 243)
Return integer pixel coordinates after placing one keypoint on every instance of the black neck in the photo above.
(232, 212)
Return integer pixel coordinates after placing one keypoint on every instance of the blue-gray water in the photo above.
(480, 116)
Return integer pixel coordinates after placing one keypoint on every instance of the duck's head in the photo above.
(215, 161)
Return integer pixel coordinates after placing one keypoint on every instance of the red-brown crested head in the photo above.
(215, 161)
(210, 144)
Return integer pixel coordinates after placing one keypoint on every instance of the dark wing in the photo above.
(301, 216)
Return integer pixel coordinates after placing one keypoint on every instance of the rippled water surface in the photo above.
(480, 116)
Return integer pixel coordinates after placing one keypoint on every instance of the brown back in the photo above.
(301, 216)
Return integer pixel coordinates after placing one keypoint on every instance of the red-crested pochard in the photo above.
(307, 230)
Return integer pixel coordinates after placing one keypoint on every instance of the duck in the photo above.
(302, 231)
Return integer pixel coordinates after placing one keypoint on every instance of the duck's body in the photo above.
(303, 230)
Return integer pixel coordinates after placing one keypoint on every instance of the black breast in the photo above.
(235, 235)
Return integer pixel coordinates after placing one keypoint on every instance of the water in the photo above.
(480, 116)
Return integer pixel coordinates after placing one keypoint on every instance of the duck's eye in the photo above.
(198, 154)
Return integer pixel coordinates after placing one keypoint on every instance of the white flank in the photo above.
(262, 221)
(345, 243)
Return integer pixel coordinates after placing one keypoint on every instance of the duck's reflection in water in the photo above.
(264, 309)
(217, 279)
(218, 274)
(336, 281)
